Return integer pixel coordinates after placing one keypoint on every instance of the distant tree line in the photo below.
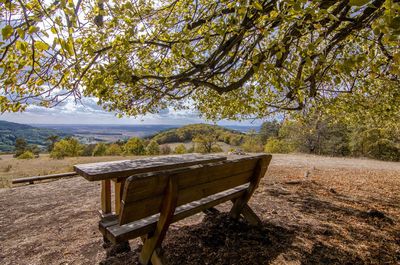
(312, 134)
(322, 135)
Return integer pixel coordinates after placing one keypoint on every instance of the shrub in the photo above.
(205, 142)
(26, 155)
(165, 149)
(100, 149)
(180, 149)
(20, 146)
(235, 140)
(275, 145)
(66, 148)
(153, 148)
(134, 146)
(216, 149)
(88, 150)
(252, 143)
(114, 150)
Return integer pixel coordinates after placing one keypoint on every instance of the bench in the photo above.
(152, 201)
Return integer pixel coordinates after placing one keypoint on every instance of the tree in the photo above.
(252, 142)
(114, 150)
(100, 149)
(230, 59)
(88, 149)
(165, 149)
(52, 139)
(153, 148)
(204, 143)
(26, 155)
(180, 149)
(269, 129)
(34, 149)
(275, 145)
(20, 146)
(69, 147)
(134, 146)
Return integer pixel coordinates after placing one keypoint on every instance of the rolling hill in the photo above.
(10, 131)
(188, 132)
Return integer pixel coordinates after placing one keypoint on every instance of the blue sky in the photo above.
(88, 112)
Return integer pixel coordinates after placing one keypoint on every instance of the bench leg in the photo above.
(156, 257)
(106, 243)
(250, 215)
(121, 247)
(153, 241)
(245, 210)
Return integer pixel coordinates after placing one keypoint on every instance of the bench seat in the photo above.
(109, 226)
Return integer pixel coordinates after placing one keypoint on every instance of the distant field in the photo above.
(44, 165)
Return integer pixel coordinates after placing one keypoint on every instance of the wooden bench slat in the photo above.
(143, 186)
(119, 233)
(126, 168)
(139, 209)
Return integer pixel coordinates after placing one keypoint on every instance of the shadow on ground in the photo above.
(327, 228)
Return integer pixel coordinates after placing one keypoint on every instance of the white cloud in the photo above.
(88, 112)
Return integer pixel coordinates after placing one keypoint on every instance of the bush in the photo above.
(26, 155)
(275, 145)
(205, 143)
(66, 148)
(216, 149)
(153, 148)
(134, 146)
(100, 149)
(252, 144)
(165, 149)
(236, 140)
(180, 149)
(114, 150)
(88, 150)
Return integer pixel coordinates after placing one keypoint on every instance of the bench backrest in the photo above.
(143, 194)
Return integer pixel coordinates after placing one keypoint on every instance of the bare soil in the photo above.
(315, 210)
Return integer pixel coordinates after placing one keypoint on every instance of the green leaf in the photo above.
(257, 5)
(21, 33)
(7, 31)
(33, 29)
(358, 2)
(40, 45)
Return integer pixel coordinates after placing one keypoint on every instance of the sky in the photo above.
(88, 112)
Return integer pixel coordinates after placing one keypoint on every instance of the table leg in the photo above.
(118, 189)
(106, 196)
(118, 194)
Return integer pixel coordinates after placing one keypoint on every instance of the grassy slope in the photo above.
(44, 165)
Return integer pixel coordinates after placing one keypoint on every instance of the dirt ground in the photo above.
(315, 210)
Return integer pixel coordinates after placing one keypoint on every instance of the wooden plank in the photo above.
(147, 185)
(167, 212)
(106, 196)
(117, 196)
(116, 233)
(259, 172)
(139, 209)
(250, 215)
(30, 180)
(126, 168)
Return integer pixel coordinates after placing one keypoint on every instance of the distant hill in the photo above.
(10, 131)
(188, 132)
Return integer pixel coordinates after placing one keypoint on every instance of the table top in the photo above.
(126, 168)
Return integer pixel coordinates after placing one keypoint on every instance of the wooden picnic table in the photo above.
(119, 171)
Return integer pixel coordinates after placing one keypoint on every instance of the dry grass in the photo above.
(44, 165)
